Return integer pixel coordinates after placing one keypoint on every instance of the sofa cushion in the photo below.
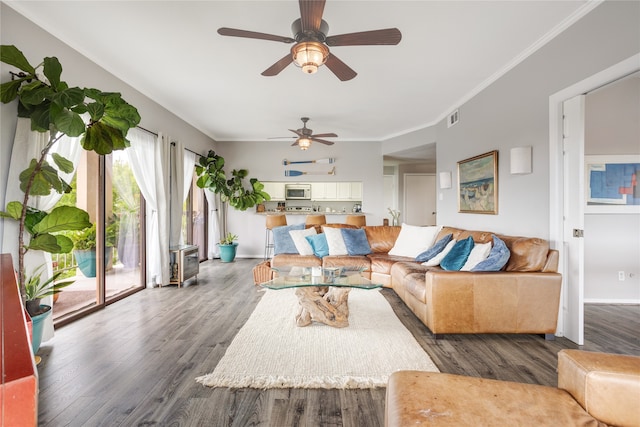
(288, 260)
(479, 253)
(458, 255)
(527, 253)
(348, 261)
(382, 263)
(300, 241)
(381, 238)
(497, 258)
(414, 240)
(282, 241)
(319, 244)
(335, 241)
(435, 249)
(356, 241)
(439, 257)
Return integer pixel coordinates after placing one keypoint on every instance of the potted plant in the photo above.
(35, 290)
(55, 107)
(84, 248)
(228, 247)
(232, 191)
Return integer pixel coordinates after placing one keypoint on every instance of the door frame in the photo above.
(556, 178)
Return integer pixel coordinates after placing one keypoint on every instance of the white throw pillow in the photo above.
(335, 241)
(302, 244)
(479, 253)
(413, 240)
(436, 259)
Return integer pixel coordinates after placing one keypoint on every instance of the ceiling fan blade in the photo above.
(311, 14)
(282, 137)
(278, 66)
(253, 35)
(322, 141)
(388, 36)
(324, 135)
(300, 134)
(295, 143)
(339, 68)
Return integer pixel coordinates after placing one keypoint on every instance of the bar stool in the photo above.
(357, 220)
(272, 221)
(316, 221)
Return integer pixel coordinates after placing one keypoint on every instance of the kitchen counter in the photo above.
(298, 213)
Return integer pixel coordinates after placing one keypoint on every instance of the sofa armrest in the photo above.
(606, 385)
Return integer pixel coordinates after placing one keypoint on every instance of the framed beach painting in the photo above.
(478, 184)
(611, 184)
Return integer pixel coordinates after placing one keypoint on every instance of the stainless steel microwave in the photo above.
(297, 191)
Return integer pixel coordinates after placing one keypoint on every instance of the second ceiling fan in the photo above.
(305, 136)
(311, 48)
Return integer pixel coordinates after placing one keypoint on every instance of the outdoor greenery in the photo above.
(52, 106)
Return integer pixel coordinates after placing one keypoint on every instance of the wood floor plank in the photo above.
(135, 362)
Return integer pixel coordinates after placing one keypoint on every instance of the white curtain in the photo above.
(149, 160)
(189, 164)
(28, 145)
(213, 231)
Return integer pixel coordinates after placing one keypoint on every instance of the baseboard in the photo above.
(611, 301)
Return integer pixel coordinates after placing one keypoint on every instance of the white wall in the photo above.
(354, 161)
(612, 241)
(514, 112)
(36, 44)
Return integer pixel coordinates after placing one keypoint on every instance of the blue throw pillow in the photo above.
(319, 244)
(458, 255)
(356, 241)
(435, 249)
(282, 241)
(497, 258)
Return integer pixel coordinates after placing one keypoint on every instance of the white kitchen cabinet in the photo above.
(356, 191)
(318, 191)
(336, 191)
(275, 190)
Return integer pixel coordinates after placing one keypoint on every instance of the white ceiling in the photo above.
(170, 51)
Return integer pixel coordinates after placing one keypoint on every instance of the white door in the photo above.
(573, 225)
(419, 199)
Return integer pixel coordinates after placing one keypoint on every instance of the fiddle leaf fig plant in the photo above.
(101, 119)
(232, 191)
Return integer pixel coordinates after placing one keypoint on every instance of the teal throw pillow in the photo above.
(458, 255)
(319, 244)
(497, 258)
(282, 241)
(435, 249)
(356, 241)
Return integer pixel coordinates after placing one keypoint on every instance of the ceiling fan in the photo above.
(305, 136)
(311, 48)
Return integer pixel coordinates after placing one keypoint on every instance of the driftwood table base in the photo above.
(323, 304)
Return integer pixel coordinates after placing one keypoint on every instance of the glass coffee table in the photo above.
(322, 293)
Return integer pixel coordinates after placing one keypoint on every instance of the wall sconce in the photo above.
(521, 160)
(445, 180)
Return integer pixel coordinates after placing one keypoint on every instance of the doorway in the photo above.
(419, 199)
(570, 321)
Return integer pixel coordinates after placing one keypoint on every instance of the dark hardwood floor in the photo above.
(135, 362)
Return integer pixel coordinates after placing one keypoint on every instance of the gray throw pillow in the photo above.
(497, 258)
(282, 241)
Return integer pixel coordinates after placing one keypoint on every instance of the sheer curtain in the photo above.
(149, 160)
(213, 230)
(189, 164)
(182, 165)
(28, 145)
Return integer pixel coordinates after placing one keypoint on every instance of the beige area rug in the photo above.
(270, 351)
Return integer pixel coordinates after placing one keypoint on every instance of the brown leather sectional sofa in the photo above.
(594, 389)
(524, 297)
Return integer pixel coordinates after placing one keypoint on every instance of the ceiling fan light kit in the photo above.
(309, 56)
(311, 49)
(304, 143)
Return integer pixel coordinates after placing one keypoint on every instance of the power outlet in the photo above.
(621, 276)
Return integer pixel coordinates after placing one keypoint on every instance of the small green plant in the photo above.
(36, 289)
(228, 239)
